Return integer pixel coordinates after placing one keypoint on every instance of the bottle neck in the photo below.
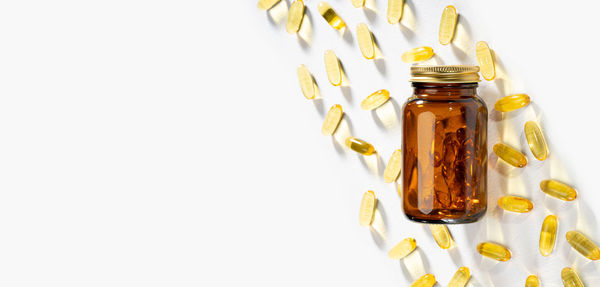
(445, 90)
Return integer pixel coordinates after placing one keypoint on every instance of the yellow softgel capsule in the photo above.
(515, 204)
(532, 281)
(460, 278)
(365, 41)
(570, 278)
(332, 17)
(448, 25)
(332, 120)
(267, 4)
(428, 280)
(486, 60)
(558, 190)
(295, 16)
(583, 245)
(333, 68)
(358, 3)
(392, 169)
(375, 100)
(493, 251)
(510, 155)
(441, 235)
(307, 83)
(536, 140)
(512, 102)
(402, 249)
(394, 11)
(417, 54)
(367, 209)
(360, 146)
(548, 235)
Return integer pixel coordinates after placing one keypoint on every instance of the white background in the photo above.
(167, 143)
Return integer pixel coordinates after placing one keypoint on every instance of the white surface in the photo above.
(166, 143)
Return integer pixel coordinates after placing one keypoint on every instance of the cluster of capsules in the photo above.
(510, 155)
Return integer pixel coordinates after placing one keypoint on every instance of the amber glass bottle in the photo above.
(444, 146)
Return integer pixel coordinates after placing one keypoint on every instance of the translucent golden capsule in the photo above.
(448, 25)
(558, 190)
(333, 68)
(392, 169)
(365, 41)
(332, 120)
(486, 60)
(535, 140)
(307, 83)
(295, 16)
(358, 3)
(360, 146)
(403, 248)
(493, 251)
(428, 280)
(367, 209)
(583, 245)
(441, 235)
(532, 281)
(394, 11)
(267, 4)
(512, 102)
(332, 17)
(375, 100)
(515, 204)
(510, 155)
(417, 54)
(460, 278)
(570, 278)
(548, 235)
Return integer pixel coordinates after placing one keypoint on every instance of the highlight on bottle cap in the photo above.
(444, 74)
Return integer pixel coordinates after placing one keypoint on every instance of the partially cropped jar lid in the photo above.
(444, 74)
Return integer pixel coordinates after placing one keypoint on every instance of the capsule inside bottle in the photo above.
(536, 140)
(441, 235)
(570, 278)
(460, 278)
(548, 235)
(360, 146)
(494, 251)
(402, 249)
(558, 190)
(515, 204)
(583, 245)
(510, 155)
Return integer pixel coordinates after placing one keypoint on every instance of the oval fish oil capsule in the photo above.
(375, 100)
(441, 235)
(332, 17)
(515, 204)
(548, 235)
(394, 11)
(402, 249)
(558, 190)
(493, 251)
(512, 102)
(365, 41)
(510, 155)
(536, 140)
(460, 278)
(486, 60)
(360, 146)
(333, 68)
(428, 280)
(295, 16)
(267, 4)
(332, 120)
(307, 83)
(392, 169)
(448, 25)
(358, 3)
(570, 278)
(367, 209)
(417, 54)
(532, 281)
(583, 245)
